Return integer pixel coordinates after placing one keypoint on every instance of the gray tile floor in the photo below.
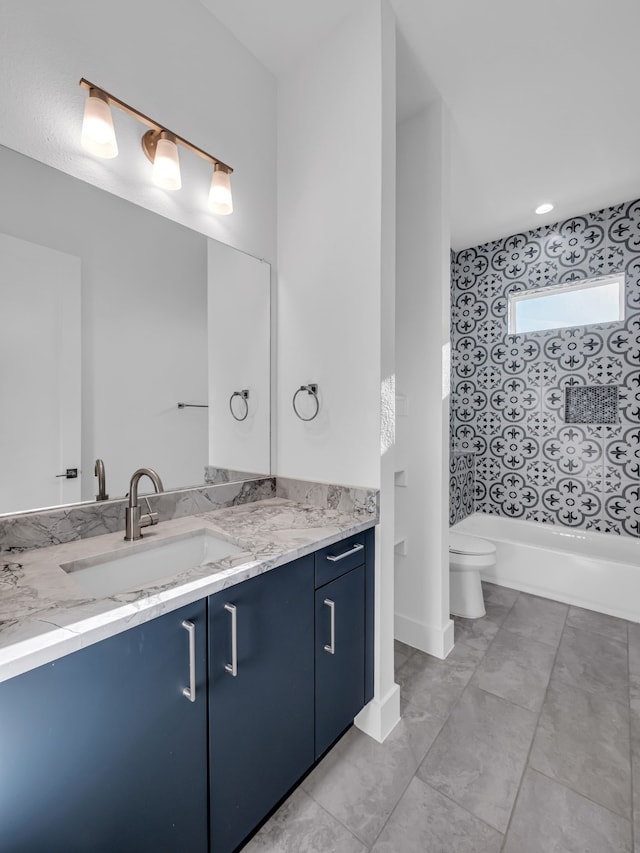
(525, 740)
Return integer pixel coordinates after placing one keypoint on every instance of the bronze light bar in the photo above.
(150, 139)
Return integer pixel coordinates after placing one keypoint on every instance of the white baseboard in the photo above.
(427, 638)
(380, 716)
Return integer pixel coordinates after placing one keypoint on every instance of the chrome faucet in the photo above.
(102, 483)
(134, 521)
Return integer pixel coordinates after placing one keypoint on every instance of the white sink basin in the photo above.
(147, 561)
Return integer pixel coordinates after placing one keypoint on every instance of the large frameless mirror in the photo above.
(113, 316)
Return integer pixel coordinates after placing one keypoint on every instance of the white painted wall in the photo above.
(329, 255)
(173, 61)
(422, 336)
(336, 220)
(238, 305)
(144, 322)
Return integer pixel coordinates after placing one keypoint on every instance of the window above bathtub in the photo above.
(577, 303)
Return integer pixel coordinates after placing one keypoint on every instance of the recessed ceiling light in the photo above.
(544, 208)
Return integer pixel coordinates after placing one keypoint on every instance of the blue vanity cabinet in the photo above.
(340, 606)
(261, 696)
(102, 751)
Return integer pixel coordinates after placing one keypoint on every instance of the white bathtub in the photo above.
(599, 571)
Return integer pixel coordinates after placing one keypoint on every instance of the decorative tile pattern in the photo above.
(461, 486)
(509, 392)
(591, 404)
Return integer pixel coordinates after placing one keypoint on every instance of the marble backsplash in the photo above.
(214, 475)
(24, 531)
(40, 529)
(329, 496)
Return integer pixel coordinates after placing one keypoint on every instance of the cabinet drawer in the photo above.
(337, 559)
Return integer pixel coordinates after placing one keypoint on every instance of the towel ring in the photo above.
(244, 396)
(311, 389)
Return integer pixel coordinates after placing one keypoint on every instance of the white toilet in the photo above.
(467, 556)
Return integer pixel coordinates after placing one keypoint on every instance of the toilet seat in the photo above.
(470, 545)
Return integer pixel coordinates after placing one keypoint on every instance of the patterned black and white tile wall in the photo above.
(461, 486)
(508, 391)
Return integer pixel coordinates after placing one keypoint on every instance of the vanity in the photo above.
(175, 716)
(161, 695)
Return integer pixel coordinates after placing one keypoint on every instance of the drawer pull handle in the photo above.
(190, 691)
(331, 648)
(357, 547)
(232, 667)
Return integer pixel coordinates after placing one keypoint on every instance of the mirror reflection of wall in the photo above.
(39, 375)
(144, 324)
(239, 336)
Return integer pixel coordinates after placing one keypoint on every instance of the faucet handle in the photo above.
(151, 517)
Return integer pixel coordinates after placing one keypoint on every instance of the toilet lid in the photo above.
(463, 544)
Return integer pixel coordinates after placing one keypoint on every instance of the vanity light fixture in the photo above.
(159, 144)
(547, 207)
(98, 135)
(161, 149)
(220, 200)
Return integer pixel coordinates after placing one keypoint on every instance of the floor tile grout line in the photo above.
(602, 695)
(491, 641)
(533, 639)
(564, 784)
(337, 820)
(533, 738)
(598, 634)
(580, 794)
(538, 714)
(422, 781)
(415, 774)
(424, 758)
(392, 812)
(449, 796)
(527, 764)
(369, 847)
(464, 689)
(459, 806)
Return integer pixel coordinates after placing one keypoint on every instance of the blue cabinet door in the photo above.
(101, 751)
(340, 655)
(261, 718)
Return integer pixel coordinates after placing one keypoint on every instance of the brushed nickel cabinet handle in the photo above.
(232, 667)
(357, 547)
(331, 648)
(190, 691)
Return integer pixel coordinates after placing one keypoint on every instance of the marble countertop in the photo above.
(45, 613)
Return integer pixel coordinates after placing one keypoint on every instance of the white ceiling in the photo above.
(543, 96)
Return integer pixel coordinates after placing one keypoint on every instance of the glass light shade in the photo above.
(220, 200)
(98, 136)
(166, 165)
